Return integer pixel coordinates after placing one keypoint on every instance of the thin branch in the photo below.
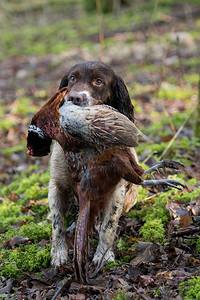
(148, 157)
(164, 56)
(101, 32)
(186, 232)
(176, 135)
(61, 288)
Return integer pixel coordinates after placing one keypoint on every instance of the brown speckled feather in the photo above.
(95, 140)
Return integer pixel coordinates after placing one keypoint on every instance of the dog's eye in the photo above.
(72, 78)
(98, 82)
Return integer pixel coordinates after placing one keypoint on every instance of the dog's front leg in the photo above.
(59, 250)
(61, 198)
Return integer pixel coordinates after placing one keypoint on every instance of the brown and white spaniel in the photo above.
(89, 83)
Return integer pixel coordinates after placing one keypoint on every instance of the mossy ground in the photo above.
(190, 289)
(164, 93)
(23, 213)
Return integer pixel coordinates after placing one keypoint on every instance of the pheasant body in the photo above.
(100, 125)
(95, 141)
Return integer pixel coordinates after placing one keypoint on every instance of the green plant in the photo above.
(121, 295)
(6, 124)
(156, 293)
(198, 245)
(25, 257)
(153, 231)
(111, 264)
(121, 245)
(190, 289)
(24, 106)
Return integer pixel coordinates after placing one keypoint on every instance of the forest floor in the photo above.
(154, 47)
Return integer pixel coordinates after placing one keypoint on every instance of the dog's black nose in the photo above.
(78, 98)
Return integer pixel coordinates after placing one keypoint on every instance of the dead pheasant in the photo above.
(96, 141)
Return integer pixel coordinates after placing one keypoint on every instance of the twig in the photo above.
(101, 32)
(152, 196)
(148, 157)
(161, 67)
(186, 232)
(67, 283)
(99, 265)
(178, 50)
(154, 11)
(144, 136)
(176, 135)
(164, 56)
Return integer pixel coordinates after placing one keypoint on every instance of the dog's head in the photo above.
(88, 83)
(94, 83)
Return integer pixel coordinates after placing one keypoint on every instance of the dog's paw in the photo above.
(59, 256)
(99, 255)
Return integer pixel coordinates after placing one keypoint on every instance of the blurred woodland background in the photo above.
(154, 45)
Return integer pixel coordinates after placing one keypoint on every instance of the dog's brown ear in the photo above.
(120, 98)
(64, 81)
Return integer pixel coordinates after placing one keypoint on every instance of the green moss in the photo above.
(121, 245)
(7, 222)
(191, 78)
(111, 264)
(24, 106)
(36, 192)
(198, 245)
(153, 231)
(2, 111)
(35, 232)
(149, 211)
(158, 212)
(174, 92)
(6, 124)
(41, 207)
(109, 42)
(156, 293)
(24, 258)
(31, 184)
(155, 216)
(8, 209)
(10, 214)
(190, 289)
(14, 149)
(142, 193)
(157, 128)
(121, 295)
(9, 269)
(126, 258)
(154, 148)
(136, 214)
(192, 62)
(28, 186)
(185, 196)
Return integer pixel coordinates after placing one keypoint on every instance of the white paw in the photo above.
(109, 256)
(59, 256)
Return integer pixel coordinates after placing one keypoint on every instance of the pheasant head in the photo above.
(45, 126)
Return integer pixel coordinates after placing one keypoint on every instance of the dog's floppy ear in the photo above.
(64, 81)
(120, 98)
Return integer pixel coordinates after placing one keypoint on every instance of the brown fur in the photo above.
(65, 185)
